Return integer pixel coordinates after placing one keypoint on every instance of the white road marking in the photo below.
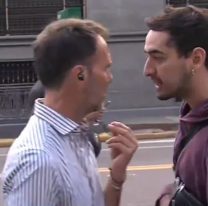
(150, 147)
(156, 147)
(156, 141)
(139, 148)
(142, 142)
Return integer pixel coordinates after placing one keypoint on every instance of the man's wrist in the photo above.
(118, 180)
(114, 183)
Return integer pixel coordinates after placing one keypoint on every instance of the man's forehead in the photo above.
(103, 53)
(156, 41)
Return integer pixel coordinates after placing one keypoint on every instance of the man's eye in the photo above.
(155, 57)
(158, 58)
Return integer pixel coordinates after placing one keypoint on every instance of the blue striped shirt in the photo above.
(51, 163)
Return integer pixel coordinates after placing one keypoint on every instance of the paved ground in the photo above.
(166, 123)
(148, 172)
(137, 123)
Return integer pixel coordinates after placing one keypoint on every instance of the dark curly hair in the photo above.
(187, 27)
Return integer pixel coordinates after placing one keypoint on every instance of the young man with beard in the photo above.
(177, 62)
(51, 163)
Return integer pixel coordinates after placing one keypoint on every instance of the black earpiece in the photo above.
(81, 76)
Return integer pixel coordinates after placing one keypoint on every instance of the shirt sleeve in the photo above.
(33, 181)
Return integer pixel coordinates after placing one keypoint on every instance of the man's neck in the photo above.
(69, 110)
(198, 95)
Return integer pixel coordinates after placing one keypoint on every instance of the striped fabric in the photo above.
(51, 163)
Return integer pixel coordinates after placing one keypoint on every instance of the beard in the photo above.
(92, 103)
(164, 97)
(181, 91)
(94, 97)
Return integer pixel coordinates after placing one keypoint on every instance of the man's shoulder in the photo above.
(21, 169)
(26, 155)
(33, 138)
(21, 160)
(35, 130)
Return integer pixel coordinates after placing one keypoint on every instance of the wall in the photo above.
(131, 93)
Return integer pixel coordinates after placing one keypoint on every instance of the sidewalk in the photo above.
(169, 123)
(145, 128)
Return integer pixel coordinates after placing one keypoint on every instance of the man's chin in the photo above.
(164, 97)
(96, 107)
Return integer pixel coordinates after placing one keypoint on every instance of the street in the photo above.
(149, 171)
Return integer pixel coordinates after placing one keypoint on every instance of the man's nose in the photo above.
(148, 71)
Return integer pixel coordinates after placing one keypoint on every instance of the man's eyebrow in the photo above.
(153, 51)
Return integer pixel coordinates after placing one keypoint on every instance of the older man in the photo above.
(51, 163)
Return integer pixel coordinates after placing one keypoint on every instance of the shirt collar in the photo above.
(60, 123)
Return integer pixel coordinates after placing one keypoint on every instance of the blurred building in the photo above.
(131, 93)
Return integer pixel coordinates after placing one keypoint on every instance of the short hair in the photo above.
(62, 45)
(187, 27)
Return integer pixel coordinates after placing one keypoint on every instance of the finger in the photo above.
(121, 139)
(121, 147)
(121, 125)
(117, 130)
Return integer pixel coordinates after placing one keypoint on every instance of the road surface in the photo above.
(149, 171)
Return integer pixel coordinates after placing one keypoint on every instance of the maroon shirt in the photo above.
(192, 163)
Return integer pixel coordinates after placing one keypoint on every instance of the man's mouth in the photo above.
(157, 86)
(157, 83)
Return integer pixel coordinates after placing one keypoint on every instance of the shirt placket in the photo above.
(87, 162)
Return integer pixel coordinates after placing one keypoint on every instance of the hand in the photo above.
(123, 145)
(94, 116)
(165, 200)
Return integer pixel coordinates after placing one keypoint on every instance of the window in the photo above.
(2, 17)
(176, 2)
(29, 17)
(198, 3)
(16, 80)
(17, 73)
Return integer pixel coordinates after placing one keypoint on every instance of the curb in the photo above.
(162, 126)
(4, 143)
(157, 135)
(144, 136)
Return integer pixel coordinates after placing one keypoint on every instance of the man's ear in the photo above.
(78, 72)
(198, 58)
